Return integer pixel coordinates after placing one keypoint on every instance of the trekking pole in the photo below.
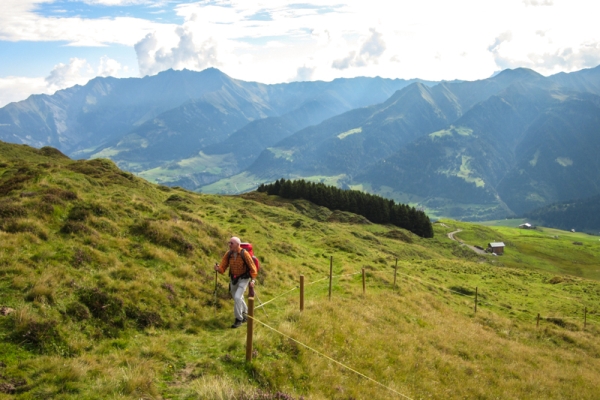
(215, 293)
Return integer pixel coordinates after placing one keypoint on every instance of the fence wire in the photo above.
(589, 316)
(330, 359)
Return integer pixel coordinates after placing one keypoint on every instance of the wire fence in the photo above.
(559, 320)
(329, 358)
(585, 315)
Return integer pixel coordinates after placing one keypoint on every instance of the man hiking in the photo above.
(242, 273)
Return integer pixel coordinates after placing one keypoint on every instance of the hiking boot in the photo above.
(237, 323)
(245, 318)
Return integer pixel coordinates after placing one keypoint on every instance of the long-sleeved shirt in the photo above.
(237, 265)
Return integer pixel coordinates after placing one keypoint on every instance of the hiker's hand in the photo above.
(216, 267)
(252, 283)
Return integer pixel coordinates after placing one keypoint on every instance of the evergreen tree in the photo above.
(375, 208)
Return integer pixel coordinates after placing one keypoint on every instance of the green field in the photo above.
(111, 293)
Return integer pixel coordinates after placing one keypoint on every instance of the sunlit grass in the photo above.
(111, 283)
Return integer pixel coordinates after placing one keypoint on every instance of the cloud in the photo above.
(109, 67)
(304, 73)
(373, 47)
(369, 53)
(23, 21)
(537, 3)
(546, 60)
(15, 88)
(67, 75)
(120, 2)
(153, 58)
(76, 72)
(504, 37)
(345, 62)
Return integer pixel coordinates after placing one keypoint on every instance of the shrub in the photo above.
(41, 292)
(158, 234)
(398, 235)
(78, 311)
(81, 212)
(15, 182)
(103, 306)
(80, 257)
(74, 227)
(144, 318)
(78, 213)
(19, 226)
(35, 334)
(8, 209)
(52, 152)
(58, 193)
(175, 198)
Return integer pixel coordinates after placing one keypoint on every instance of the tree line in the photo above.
(374, 208)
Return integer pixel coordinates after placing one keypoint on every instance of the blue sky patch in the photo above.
(260, 16)
(70, 9)
(34, 59)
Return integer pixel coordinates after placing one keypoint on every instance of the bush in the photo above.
(144, 318)
(35, 334)
(19, 226)
(9, 209)
(74, 227)
(60, 194)
(78, 311)
(158, 234)
(104, 307)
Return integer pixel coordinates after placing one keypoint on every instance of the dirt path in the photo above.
(475, 249)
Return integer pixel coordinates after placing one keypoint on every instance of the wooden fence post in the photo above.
(475, 299)
(395, 272)
(538, 320)
(364, 287)
(330, 275)
(301, 292)
(250, 326)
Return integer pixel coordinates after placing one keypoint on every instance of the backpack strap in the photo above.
(247, 273)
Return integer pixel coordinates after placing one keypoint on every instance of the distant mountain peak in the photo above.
(517, 74)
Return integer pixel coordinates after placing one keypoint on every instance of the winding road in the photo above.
(475, 249)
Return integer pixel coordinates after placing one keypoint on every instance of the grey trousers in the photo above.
(237, 292)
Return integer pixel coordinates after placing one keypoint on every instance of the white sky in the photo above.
(46, 45)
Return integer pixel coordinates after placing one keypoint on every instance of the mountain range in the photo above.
(476, 150)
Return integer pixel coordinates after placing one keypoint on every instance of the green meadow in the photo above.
(107, 291)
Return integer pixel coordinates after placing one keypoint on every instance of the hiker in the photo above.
(242, 273)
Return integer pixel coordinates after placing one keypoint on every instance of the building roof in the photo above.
(496, 244)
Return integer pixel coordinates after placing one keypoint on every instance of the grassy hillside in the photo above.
(108, 291)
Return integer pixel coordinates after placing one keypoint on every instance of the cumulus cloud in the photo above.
(537, 3)
(565, 59)
(545, 60)
(152, 58)
(15, 88)
(504, 37)
(304, 73)
(345, 62)
(119, 2)
(108, 67)
(76, 72)
(22, 20)
(369, 53)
